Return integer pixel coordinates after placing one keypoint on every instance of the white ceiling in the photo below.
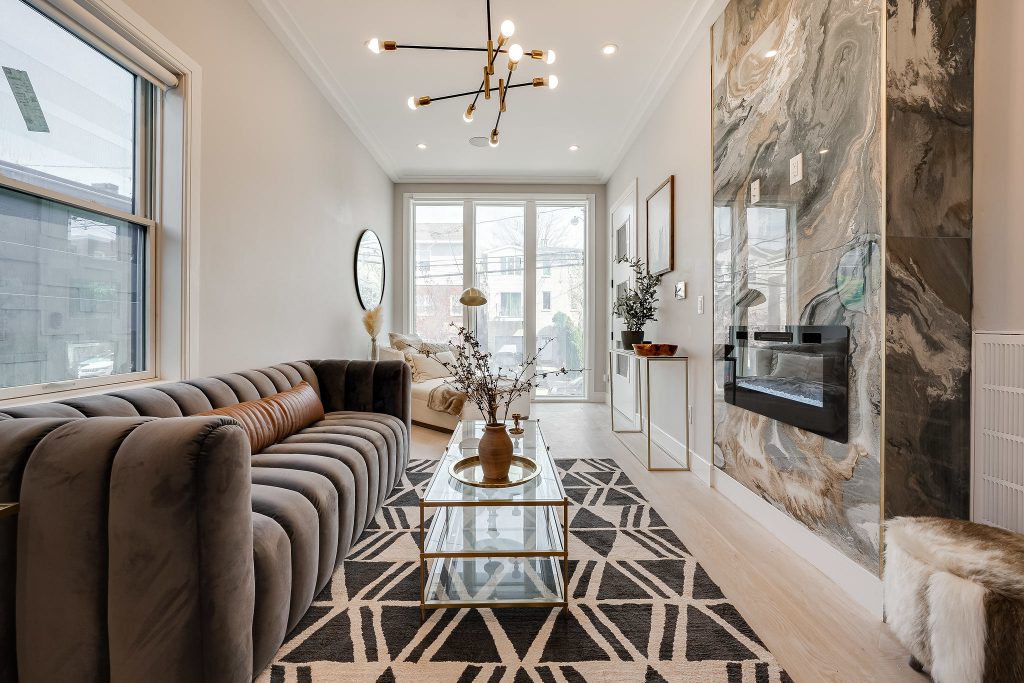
(599, 105)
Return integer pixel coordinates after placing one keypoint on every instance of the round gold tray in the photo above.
(470, 471)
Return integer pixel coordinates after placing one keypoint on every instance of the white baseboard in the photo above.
(861, 585)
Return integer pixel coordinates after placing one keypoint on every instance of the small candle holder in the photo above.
(516, 429)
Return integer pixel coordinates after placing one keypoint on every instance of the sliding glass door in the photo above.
(561, 298)
(437, 272)
(499, 243)
(531, 258)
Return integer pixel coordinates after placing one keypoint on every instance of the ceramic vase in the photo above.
(495, 452)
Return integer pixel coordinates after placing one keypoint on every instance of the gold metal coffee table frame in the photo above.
(451, 539)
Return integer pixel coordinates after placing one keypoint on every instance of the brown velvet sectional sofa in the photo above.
(151, 545)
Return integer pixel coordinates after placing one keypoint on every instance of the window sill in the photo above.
(53, 396)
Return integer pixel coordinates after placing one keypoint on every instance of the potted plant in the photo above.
(492, 388)
(636, 306)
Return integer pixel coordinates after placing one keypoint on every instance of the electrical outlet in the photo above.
(796, 169)
(700, 305)
(755, 191)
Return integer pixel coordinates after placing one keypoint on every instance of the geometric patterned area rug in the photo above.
(642, 609)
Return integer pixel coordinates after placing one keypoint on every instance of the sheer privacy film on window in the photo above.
(67, 120)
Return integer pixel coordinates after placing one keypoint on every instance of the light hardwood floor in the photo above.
(815, 631)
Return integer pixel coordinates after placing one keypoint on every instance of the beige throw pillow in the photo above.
(402, 341)
(426, 367)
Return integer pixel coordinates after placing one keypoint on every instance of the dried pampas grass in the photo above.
(373, 321)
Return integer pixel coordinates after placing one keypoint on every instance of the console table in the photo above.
(643, 366)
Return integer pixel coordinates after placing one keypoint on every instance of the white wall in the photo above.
(286, 190)
(677, 140)
(999, 167)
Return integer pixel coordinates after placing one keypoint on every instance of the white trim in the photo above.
(279, 20)
(90, 22)
(860, 584)
(483, 179)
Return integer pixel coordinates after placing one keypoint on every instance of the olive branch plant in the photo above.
(487, 386)
(636, 305)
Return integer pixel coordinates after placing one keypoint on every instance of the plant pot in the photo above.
(630, 338)
(495, 452)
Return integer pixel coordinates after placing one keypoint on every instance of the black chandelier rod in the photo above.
(444, 47)
(489, 34)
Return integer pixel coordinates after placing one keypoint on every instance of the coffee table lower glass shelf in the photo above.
(494, 547)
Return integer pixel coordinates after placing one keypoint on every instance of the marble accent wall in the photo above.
(803, 77)
(929, 159)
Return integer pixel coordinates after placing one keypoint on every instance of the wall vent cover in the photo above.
(999, 430)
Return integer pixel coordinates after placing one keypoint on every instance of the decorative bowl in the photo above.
(655, 349)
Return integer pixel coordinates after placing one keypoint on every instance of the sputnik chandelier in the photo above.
(494, 48)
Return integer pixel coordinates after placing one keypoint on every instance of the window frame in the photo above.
(166, 197)
(531, 202)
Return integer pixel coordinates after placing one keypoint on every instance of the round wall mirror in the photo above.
(369, 270)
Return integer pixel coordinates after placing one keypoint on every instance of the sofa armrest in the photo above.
(135, 552)
(366, 386)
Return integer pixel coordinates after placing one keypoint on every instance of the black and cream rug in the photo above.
(642, 609)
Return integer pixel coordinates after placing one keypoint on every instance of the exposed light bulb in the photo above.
(413, 104)
(493, 141)
(610, 49)
(552, 82)
(508, 29)
(515, 53)
(374, 45)
(468, 115)
(551, 57)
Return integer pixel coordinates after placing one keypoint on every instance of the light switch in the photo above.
(700, 305)
(755, 191)
(796, 169)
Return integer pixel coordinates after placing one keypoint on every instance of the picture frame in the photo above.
(661, 228)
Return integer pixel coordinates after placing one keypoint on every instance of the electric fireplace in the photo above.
(798, 374)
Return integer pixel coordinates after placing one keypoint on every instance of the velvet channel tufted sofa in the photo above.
(151, 544)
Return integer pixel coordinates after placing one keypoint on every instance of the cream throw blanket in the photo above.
(445, 399)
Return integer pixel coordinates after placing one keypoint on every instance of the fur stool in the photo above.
(954, 595)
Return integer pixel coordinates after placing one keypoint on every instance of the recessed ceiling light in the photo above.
(421, 146)
(771, 53)
(479, 141)
(574, 148)
(610, 49)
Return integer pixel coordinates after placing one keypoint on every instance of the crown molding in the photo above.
(668, 71)
(282, 24)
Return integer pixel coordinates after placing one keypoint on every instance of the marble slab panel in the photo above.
(928, 377)
(930, 127)
(803, 77)
(831, 487)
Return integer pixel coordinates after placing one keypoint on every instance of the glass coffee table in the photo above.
(494, 547)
